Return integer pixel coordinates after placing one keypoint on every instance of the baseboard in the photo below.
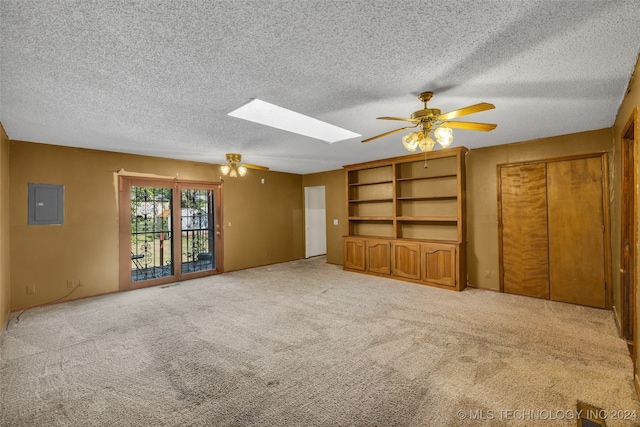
(469, 285)
(262, 265)
(14, 310)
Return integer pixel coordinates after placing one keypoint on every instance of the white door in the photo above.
(315, 221)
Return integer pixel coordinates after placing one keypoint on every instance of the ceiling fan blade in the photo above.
(387, 133)
(257, 167)
(399, 118)
(471, 126)
(483, 106)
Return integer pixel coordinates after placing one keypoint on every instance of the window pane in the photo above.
(196, 220)
(151, 237)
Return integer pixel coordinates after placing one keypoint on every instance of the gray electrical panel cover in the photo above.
(46, 204)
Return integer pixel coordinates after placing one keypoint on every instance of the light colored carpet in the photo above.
(306, 344)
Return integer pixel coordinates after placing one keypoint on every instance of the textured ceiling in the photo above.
(159, 77)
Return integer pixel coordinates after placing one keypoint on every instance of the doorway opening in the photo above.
(315, 217)
(169, 231)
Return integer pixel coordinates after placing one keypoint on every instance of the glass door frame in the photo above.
(124, 211)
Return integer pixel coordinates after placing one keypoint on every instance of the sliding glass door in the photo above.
(169, 231)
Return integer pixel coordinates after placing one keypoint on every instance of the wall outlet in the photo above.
(335, 222)
(31, 289)
(487, 274)
(69, 283)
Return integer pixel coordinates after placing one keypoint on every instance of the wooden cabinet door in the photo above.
(523, 232)
(576, 232)
(378, 259)
(353, 249)
(405, 259)
(439, 263)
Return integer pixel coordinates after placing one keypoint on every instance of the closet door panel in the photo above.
(523, 236)
(576, 232)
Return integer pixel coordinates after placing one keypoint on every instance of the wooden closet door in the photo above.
(523, 231)
(576, 231)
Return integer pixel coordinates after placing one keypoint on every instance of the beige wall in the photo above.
(5, 287)
(482, 195)
(266, 219)
(336, 200)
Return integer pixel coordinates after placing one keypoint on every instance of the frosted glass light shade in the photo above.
(225, 169)
(411, 141)
(426, 144)
(242, 171)
(444, 136)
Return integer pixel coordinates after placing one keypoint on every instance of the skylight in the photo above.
(267, 114)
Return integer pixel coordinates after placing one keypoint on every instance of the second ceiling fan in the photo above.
(431, 120)
(235, 167)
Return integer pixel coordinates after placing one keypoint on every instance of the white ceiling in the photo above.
(159, 77)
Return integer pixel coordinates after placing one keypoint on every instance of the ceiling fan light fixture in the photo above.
(444, 136)
(427, 144)
(411, 141)
(432, 121)
(233, 167)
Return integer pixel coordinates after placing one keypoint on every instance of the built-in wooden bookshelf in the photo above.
(407, 218)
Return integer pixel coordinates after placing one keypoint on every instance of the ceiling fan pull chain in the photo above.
(425, 160)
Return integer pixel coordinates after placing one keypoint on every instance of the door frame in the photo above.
(125, 183)
(628, 226)
(629, 234)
